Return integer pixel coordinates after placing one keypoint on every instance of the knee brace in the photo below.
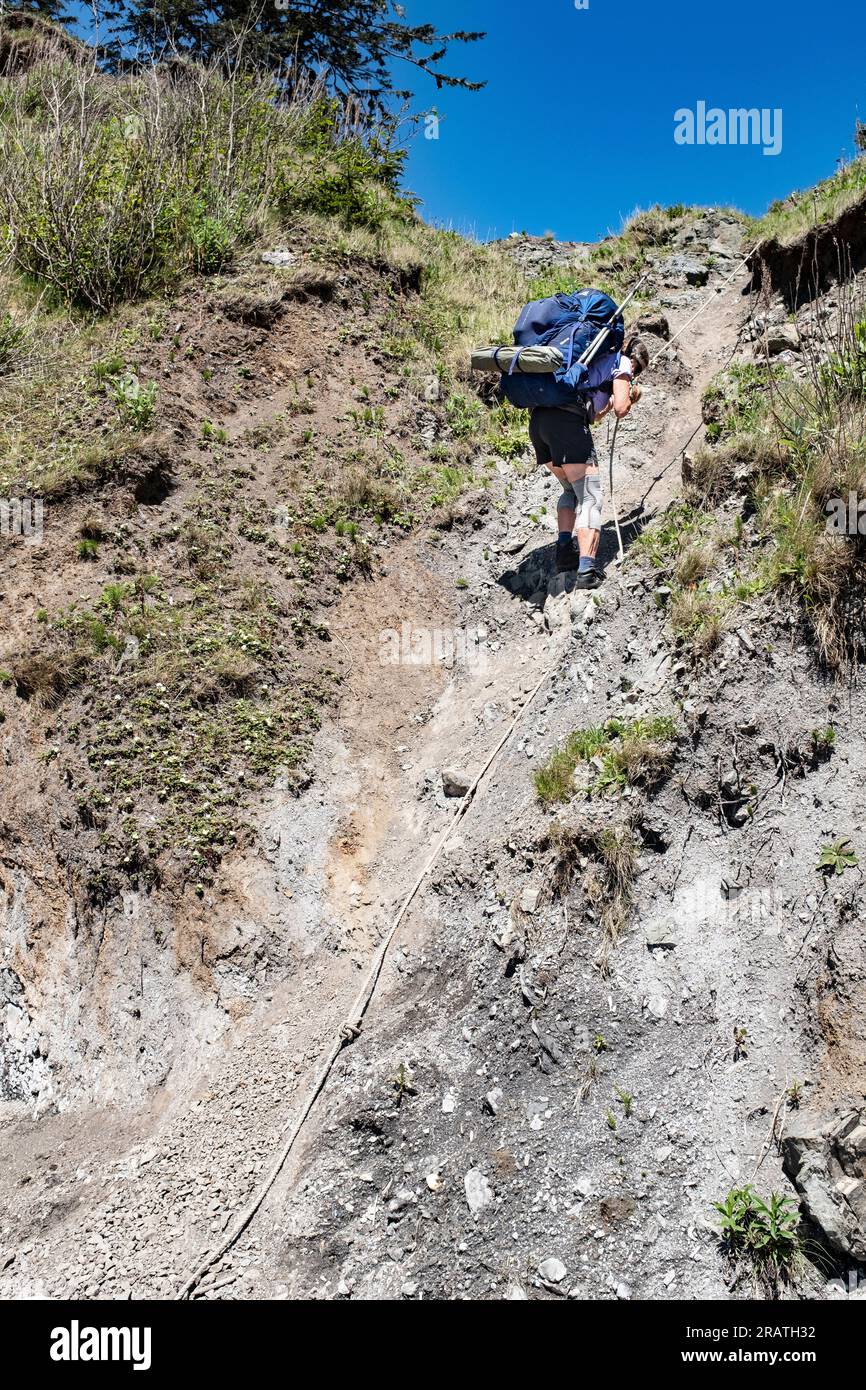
(567, 498)
(589, 502)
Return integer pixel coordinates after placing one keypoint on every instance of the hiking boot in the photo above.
(567, 556)
(589, 579)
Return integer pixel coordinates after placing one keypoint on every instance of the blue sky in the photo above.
(575, 127)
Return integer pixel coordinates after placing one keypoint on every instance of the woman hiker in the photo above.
(563, 443)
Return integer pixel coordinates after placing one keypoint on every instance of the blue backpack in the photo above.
(570, 322)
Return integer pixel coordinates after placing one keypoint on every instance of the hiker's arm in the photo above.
(621, 396)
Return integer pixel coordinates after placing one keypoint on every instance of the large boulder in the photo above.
(828, 1168)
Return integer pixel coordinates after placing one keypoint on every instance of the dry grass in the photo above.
(609, 856)
(716, 471)
(47, 677)
(791, 218)
(700, 619)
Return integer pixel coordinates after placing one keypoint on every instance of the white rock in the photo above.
(479, 1193)
(552, 1271)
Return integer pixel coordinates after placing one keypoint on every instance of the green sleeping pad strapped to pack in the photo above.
(529, 359)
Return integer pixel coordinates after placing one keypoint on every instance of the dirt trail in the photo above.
(329, 872)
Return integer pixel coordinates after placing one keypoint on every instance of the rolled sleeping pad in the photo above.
(536, 359)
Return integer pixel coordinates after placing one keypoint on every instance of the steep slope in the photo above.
(326, 872)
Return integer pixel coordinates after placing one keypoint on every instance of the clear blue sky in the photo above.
(611, 77)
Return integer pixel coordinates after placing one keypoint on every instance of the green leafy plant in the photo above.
(794, 1094)
(135, 403)
(762, 1234)
(838, 857)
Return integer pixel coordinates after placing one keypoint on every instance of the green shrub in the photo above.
(112, 187)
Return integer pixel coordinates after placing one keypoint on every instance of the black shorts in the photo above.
(561, 436)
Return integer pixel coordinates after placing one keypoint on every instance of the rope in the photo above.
(670, 342)
(657, 358)
(351, 1028)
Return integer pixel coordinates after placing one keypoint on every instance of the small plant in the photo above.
(589, 1078)
(823, 740)
(610, 1121)
(631, 752)
(598, 1044)
(762, 1234)
(835, 859)
(402, 1083)
(794, 1094)
(626, 1101)
(135, 403)
(88, 549)
(741, 1037)
(213, 432)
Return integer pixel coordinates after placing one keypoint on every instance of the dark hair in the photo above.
(637, 352)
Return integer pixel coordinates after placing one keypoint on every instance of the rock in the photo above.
(455, 783)
(517, 1291)
(828, 1168)
(623, 1290)
(529, 900)
(448, 1103)
(783, 337)
(552, 1271)
(657, 1005)
(680, 267)
(479, 1193)
(661, 934)
(493, 1100)
(282, 259)
(653, 323)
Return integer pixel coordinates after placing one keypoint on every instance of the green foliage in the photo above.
(763, 1235)
(628, 753)
(838, 857)
(135, 403)
(823, 740)
(789, 218)
(625, 1100)
(737, 400)
(843, 375)
(359, 47)
(111, 192)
